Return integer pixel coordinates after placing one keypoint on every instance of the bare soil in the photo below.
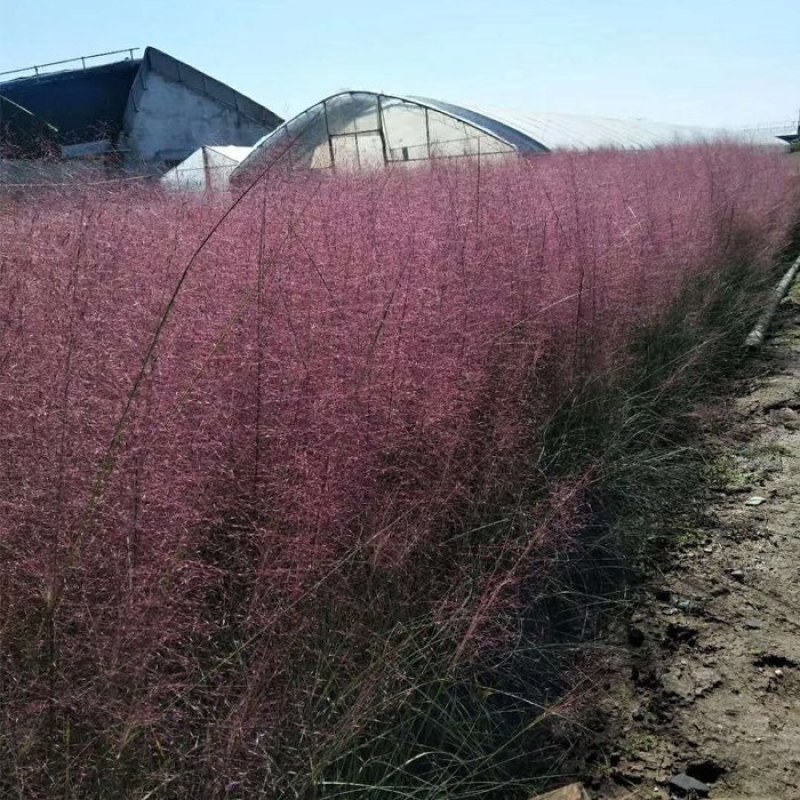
(707, 681)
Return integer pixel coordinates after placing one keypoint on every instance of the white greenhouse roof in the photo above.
(557, 131)
(208, 167)
(233, 152)
(546, 131)
(358, 129)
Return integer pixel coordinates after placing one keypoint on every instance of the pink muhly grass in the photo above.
(353, 370)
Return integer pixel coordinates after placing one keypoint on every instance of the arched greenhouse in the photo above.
(360, 129)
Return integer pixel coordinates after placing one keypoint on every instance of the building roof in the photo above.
(534, 132)
(538, 131)
(84, 104)
(208, 167)
(89, 103)
(231, 151)
(171, 68)
(788, 129)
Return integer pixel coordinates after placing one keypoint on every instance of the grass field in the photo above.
(302, 495)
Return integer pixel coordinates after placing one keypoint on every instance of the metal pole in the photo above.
(427, 132)
(756, 336)
(328, 134)
(384, 144)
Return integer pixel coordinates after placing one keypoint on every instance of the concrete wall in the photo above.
(171, 121)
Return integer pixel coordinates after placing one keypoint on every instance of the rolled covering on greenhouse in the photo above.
(362, 129)
(208, 168)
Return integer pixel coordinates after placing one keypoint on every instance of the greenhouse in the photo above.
(360, 129)
(208, 168)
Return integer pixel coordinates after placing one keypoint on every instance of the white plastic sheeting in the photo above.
(365, 129)
(208, 168)
(555, 131)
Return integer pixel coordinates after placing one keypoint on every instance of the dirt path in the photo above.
(712, 673)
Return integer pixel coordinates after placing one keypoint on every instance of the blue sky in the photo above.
(703, 62)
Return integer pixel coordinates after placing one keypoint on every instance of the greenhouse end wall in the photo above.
(361, 130)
